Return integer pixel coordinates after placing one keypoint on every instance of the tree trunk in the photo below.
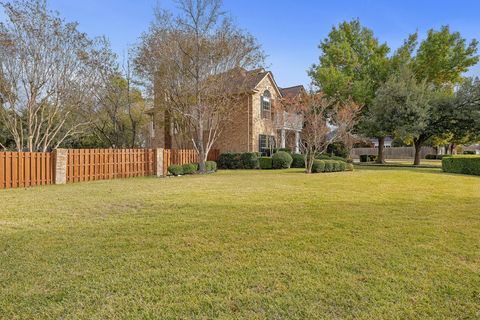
(418, 147)
(309, 158)
(381, 146)
(452, 148)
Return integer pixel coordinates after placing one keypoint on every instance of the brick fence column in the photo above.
(60, 166)
(159, 155)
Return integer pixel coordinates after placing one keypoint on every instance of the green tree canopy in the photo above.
(353, 63)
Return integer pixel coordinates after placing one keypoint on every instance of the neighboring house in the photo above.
(256, 125)
(388, 142)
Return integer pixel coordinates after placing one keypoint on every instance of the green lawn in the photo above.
(377, 243)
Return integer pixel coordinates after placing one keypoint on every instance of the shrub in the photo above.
(372, 157)
(336, 166)
(318, 166)
(175, 169)
(265, 162)
(329, 167)
(282, 160)
(288, 150)
(343, 165)
(469, 152)
(462, 164)
(431, 156)
(189, 168)
(349, 167)
(338, 158)
(298, 161)
(230, 160)
(323, 157)
(211, 166)
(440, 156)
(249, 160)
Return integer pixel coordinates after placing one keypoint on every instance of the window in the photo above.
(266, 105)
(266, 144)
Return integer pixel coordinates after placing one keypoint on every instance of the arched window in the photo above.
(266, 105)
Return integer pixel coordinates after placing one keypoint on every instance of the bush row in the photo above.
(231, 160)
(331, 166)
(253, 160)
(190, 168)
(462, 164)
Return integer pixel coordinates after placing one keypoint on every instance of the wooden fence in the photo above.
(393, 152)
(105, 164)
(183, 156)
(25, 169)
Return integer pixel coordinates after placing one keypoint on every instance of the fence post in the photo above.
(159, 155)
(60, 167)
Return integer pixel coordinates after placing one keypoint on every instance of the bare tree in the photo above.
(193, 62)
(325, 122)
(50, 71)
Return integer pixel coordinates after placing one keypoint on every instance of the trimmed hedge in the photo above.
(298, 161)
(462, 164)
(329, 157)
(230, 160)
(175, 169)
(249, 160)
(282, 160)
(189, 168)
(318, 166)
(349, 167)
(329, 167)
(211, 166)
(431, 157)
(265, 162)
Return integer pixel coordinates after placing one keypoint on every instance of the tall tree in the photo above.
(402, 105)
(353, 64)
(441, 60)
(49, 70)
(191, 60)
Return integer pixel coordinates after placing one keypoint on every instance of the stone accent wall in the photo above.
(60, 168)
(159, 161)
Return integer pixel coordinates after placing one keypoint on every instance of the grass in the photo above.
(376, 243)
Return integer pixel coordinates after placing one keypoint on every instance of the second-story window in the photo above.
(266, 105)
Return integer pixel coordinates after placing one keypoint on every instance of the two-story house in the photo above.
(256, 125)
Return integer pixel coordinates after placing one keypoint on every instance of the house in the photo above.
(256, 125)
(387, 143)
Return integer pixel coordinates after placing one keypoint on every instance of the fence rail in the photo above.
(393, 152)
(25, 169)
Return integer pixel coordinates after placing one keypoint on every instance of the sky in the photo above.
(288, 30)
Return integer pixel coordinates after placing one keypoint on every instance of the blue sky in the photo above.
(289, 31)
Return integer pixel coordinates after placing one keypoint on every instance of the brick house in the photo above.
(256, 125)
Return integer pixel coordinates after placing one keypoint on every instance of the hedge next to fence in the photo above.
(462, 164)
(190, 168)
